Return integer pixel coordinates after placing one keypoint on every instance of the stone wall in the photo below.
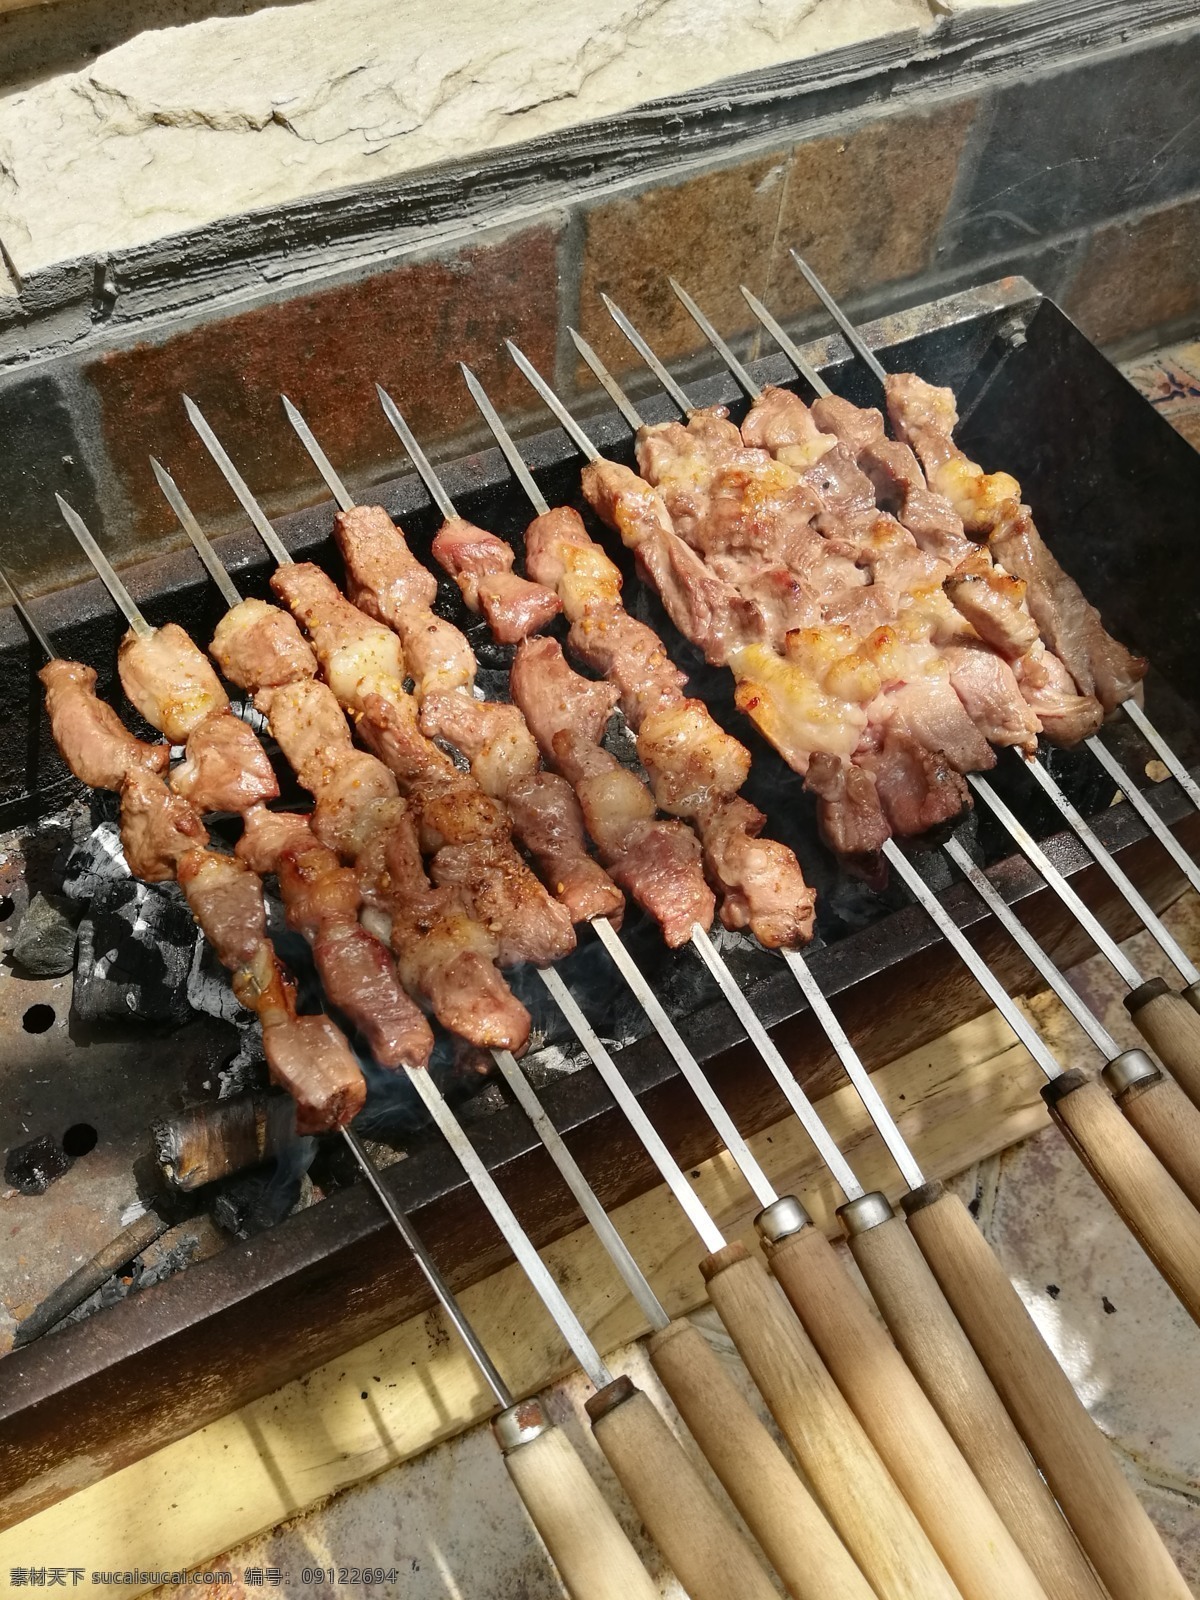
(920, 166)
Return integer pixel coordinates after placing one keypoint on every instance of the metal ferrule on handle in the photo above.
(586, 1542)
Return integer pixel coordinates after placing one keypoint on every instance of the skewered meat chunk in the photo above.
(268, 835)
(849, 813)
(1065, 715)
(983, 681)
(704, 608)
(158, 828)
(441, 950)
(259, 646)
(481, 565)
(919, 788)
(309, 1058)
(226, 899)
(491, 735)
(93, 740)
(226, 767)
(991, 602)
(762, 887)
(171, 683)
(322, 899)
(548, 817)
(656, 862)
(359, 656)
(560, 552)
(1072, 628)
(924, 418)
(386, 578)
(781, 424)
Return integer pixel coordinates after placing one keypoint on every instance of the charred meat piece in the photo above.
(92, 739)
(482, 566)
(158, 828)
(225, 768)
(259, 646)
(849, 812)
(309, 1058)
(169, 680)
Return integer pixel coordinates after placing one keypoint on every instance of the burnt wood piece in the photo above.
(92, 1397)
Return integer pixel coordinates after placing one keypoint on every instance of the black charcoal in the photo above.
(45, 942)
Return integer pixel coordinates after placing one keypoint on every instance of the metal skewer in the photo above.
(881, 1390)
(1071, 1451)
(695, 1535)
(551, 1480)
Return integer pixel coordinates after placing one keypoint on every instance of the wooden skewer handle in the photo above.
(1079, 1464)
(1152, 1204)
(1166, 1120)
(1171, 1027)
(709, 1556)
(913, 1442)
(951, 1374)
(757, 1476)
(877, 1526)
(586, 1542)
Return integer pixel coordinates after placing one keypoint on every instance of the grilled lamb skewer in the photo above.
(321, 898)
(443, 953)
(657, 861)
(696, 770)
(466, 833)
(389, 584)
(165, 838)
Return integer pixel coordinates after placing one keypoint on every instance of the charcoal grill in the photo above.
(1114, 487)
